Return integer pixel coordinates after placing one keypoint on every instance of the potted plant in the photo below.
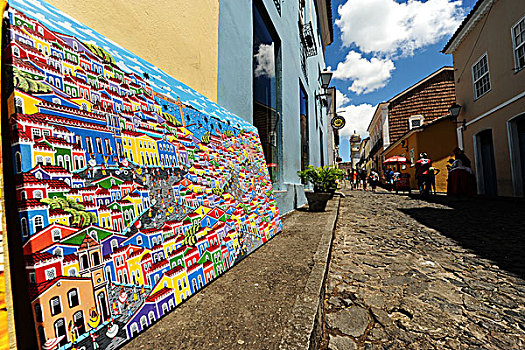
(324, 180)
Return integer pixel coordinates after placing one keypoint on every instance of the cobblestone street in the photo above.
(411, 274)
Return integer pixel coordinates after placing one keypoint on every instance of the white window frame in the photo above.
(517, 68)
(59, 304)
(476, 97)
(415, 117)
(69, 297)
(40, 217)
(53, 271)
(53, 234)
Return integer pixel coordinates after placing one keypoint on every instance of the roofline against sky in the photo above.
(480, 8)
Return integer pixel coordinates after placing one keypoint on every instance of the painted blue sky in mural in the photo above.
(126, 60)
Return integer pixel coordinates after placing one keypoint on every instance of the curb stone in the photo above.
(304, 329)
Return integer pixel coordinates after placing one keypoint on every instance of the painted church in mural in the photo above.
(129, 201)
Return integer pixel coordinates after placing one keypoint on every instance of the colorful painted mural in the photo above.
(134, 191)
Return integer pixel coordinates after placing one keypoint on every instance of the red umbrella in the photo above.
(52, 343)
(396, 160)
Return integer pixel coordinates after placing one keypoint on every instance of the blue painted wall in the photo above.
(235, 84)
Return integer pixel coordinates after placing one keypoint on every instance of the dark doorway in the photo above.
(79, 322)
(60, 329)
(488, 165)
(266, 75)
(303, 115)
(520, 123)
(103, 305)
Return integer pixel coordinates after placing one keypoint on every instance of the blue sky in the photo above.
(382, 47)
(126, 60)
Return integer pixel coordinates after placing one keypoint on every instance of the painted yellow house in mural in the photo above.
(40, 44)
(169, 245)
(23, 102)
(83, 103)
(70, 266)
(43, 154)
(104, 218)
(176, 279)
(68, 68)
(59, 218)
(136, 199)
(140, 148)
(134, 266)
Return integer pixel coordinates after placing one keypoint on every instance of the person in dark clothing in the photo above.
(459, 154)
(423, 166)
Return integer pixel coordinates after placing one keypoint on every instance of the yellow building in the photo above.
(140, 148)
(70, 266)
(437, 139)
(104, 218)
(43, 154)
(136, 199)
(134, 266)
(83, 103)
(176, 279)
(24, 103)
(68, 68)
(59, 216)
(489, 76)
(40, 43)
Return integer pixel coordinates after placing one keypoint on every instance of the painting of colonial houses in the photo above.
(130, 198)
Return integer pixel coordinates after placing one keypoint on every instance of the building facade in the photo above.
(437, 138)
(489, 60)
(379, 135)
(259, 59)
(271, 54)
(418, 106)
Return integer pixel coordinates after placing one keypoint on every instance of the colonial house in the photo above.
(488, 50)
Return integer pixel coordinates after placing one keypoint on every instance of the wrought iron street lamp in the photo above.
(326, 76)
(454, 113)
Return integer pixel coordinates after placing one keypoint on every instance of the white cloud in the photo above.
(389, 28)
(340, 99)
(357, 119)
(68, 26)
(367, 75)
(265, 61)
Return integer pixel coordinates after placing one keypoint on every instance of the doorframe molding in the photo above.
(514, 155)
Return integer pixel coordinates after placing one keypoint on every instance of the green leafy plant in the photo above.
(323, 178)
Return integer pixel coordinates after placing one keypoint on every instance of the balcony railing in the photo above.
(307, 39)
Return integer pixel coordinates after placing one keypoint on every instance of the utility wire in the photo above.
(476, 42)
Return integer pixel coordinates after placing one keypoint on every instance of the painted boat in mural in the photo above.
(134, 191)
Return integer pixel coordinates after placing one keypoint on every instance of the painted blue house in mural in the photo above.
(33, 216)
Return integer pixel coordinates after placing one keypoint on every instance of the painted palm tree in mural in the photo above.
(26, 82)
(81, 217)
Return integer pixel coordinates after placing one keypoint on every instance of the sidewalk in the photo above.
(270, 300)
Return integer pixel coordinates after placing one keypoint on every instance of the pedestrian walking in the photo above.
(374, 179)
(389, 175)
(432, 172)
(363, 179)
(422, 173)
(354, 179)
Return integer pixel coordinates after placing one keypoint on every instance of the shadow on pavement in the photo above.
(494, 229)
